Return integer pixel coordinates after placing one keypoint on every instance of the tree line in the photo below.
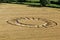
(12, 1)
(42, 2)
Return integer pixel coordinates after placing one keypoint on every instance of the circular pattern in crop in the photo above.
(32, 22)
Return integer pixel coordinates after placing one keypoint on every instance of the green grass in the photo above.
(55, 5)
(31, 3)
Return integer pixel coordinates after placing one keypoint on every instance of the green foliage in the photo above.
(44, 2)
(8, 1)
(59, 1)
(33, 2)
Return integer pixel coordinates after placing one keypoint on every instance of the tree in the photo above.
(21, 1)
(1, 1)
(59, 1)
(6, 1)
(44, 2)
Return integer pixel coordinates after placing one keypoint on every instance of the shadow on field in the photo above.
(37, 4)
(42, 6)
(52, 6)
(34, 5)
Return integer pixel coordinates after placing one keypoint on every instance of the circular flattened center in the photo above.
(31, 21)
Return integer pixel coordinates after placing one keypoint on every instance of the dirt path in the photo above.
(12, 32)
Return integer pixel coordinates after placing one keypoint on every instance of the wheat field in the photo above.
(14, 32)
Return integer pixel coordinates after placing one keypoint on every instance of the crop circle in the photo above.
(32, 22)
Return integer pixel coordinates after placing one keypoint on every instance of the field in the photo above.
(15, 32)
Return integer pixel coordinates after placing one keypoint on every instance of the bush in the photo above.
(44, 2)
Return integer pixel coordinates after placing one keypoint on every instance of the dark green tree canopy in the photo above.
(44, 2)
